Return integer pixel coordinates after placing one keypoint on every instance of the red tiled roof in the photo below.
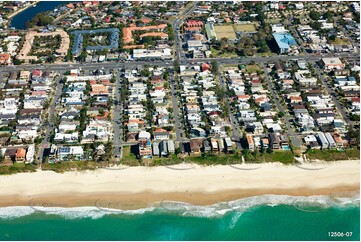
(355, 99)
(4, 56)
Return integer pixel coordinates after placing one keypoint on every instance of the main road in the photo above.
(133, 64)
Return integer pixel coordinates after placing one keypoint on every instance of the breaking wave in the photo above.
(303, 203)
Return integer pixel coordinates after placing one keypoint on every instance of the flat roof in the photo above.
(332, 61)
(284, 40)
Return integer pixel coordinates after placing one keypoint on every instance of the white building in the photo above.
(152, 54)
(75, 152)
(278, 28)
(30, 154)
(355, 6)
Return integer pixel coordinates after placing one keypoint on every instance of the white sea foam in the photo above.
(15, 212)
(186, 209)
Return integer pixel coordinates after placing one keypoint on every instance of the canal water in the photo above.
(19, 20)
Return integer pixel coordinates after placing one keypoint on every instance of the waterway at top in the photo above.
(19, 20)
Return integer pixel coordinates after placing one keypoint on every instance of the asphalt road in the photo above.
(235, 125)
(50, 126)
(117, 120)
(176, 24)
(290, 132)
(133, 64)
(332, 94)
(117, 138)
(177, 123)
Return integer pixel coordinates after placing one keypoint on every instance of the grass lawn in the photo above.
(353, 153)
(332, 155)
(171, 160)
(340, 41)
(265, 54)
(225, 31)
(171, 19)
(285, 157)
(206, 159)
(216, 53)
(16, 168)
(221, 159)
(72, 166)
(226, 67)
(273, 21)
(253, 68)
(129, 159)
(245, 27)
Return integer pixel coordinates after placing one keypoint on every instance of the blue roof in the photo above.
(78, 40)
(341, 79)
(351, 78)
(284, 40)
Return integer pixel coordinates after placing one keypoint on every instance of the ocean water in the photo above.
(267, 217)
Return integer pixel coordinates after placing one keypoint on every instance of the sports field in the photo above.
(225, 31)
(244, 27)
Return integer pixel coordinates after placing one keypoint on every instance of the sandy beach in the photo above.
(135, 187)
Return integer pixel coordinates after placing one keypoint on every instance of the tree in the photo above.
(176, 66)
(263, 47)
(296, 21)
(82, 56)
(332, 37)
(353, 135)
(214, 67)
(281, 114)
(51, 59)
(356, 17)
(2, 158)
(166, 85)
(328, 15)
(260, 17)
(314, 15)
(315, 25)
(40, 19)
(355, 117)
(248, 52)
(165, 75)
(162, 10)
(228, 129)
(17, 62)
(113, 79)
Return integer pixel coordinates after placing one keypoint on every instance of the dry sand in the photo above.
(138, 186)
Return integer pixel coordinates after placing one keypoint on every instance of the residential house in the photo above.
(250, 142)
(330, 140)
(70, 153)
(196, 145)
(20, 155)
(274, 141)
(322, 140)
(161, 134)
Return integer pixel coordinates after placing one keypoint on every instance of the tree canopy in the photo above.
(40, 19)
(315, 15)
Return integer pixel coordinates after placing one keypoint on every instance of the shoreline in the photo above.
(137, 187)
(147, 199)
(19, 11)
